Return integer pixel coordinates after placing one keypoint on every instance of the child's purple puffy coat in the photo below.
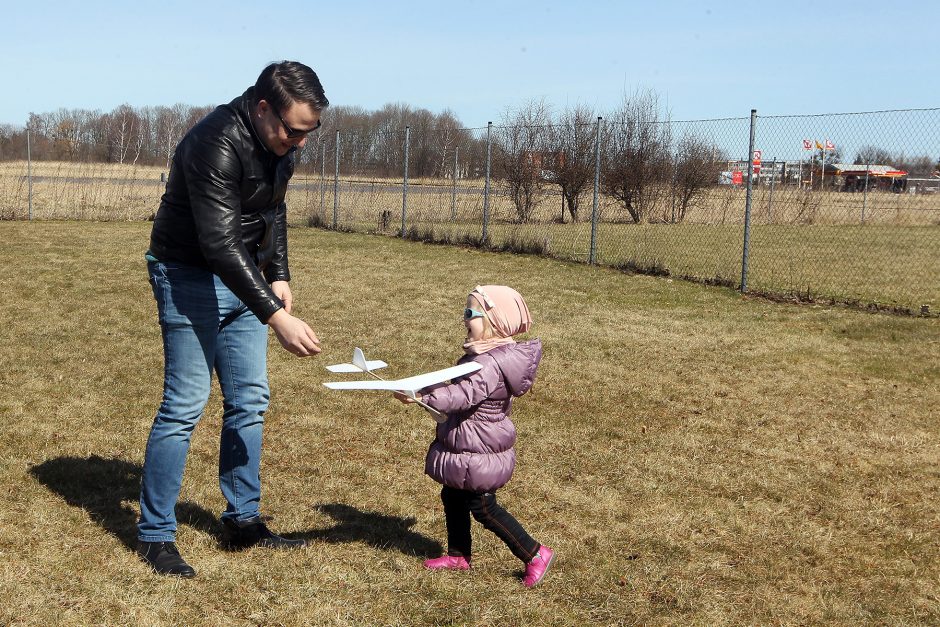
(473, 450)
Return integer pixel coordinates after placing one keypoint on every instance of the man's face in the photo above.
(282, 130)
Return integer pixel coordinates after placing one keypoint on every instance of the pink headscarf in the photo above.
(506, 311)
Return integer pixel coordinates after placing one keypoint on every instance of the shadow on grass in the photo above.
(373, 528)
(103, 488)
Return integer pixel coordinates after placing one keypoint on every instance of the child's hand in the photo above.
(407, 400)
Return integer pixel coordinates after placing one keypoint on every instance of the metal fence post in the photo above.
(865, 193)
(29, 173)
(747, 204)
(675, 185)
(592, 259)
(404, 187)
(336, 184)
(799, 181)
(486, 185)
(822, 170)
(322, 180)
(770, 199)
(453, 193)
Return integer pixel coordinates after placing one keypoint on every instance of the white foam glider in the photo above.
(408, 386)
(359, 364)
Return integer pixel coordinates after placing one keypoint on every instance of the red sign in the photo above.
(737, 177)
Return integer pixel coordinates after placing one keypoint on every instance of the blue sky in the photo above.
(478, 57)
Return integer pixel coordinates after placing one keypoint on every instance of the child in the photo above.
(473, 455)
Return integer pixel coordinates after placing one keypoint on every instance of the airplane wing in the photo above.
(370, 365)
(411, 384)
(359, 364)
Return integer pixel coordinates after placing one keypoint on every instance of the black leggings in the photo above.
(459, 504)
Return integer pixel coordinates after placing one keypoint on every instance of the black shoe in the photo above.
(164, 558)
(241, 534)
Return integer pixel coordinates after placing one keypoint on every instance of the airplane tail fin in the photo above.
(359, 360)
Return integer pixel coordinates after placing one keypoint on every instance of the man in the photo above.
(219, 272)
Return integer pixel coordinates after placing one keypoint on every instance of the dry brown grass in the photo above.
(430, 201)
(694, 457)
(84, 191)
(101, 191)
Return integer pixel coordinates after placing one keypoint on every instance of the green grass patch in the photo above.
(883, 266)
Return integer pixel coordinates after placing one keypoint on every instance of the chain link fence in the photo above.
(840, 207)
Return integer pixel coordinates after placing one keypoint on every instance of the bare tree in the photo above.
(170, 128)
(389, 127)
(571, 158)
(359, 139)
(520, 151)
(148, 133)
(143, 135)
(423, 151)
(915, 166)
(123, 129)
(637, 155)
(447, 136)
(697, 167)
(872, 155)
(40, 129)
(67, 131)
(10, 142)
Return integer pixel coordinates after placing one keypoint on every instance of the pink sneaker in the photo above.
(448, 562)
(535, 570)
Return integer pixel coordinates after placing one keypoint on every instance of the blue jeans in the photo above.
(205, 327)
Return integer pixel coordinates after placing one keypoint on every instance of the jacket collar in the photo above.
(244, 106)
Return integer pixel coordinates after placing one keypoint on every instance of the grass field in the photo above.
(694, 456)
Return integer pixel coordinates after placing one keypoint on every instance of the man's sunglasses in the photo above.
(293, 133)
(470, 314)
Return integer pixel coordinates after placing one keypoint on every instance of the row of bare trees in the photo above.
(655, 169)
(916, 166)
(639, 155)
(137, 136)
(643, 156)
(371, 142)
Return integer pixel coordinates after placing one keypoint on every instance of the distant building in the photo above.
(924, 185)
(778, 172)
(854, 177)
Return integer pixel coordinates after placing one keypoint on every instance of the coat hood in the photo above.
(518, 363)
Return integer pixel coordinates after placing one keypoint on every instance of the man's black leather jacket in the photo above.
(224, 207)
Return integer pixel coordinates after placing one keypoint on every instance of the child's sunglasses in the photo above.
(470, 314)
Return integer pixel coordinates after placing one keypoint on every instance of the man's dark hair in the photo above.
(282, 84)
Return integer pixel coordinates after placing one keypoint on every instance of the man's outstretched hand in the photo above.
(294, 334)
